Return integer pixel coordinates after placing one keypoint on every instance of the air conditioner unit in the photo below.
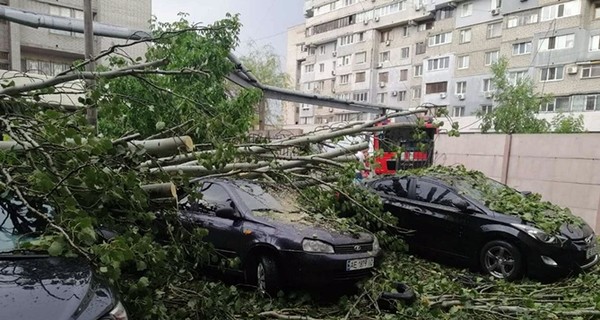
(394, 93)
(376, 19)
(382, 84)
(330, 109)
(388, 42)
(332, 90)
(572, 70)
(366, 22)
(489, 94)
(334, 53)
(452, 4)
(412, 23)
(460, 96)
(379, 65)
(443, 95)
(333, 72)
(418, 7)
(495, 12)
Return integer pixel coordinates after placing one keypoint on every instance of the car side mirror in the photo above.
(461, 204)
(227, 213)
(106, 234)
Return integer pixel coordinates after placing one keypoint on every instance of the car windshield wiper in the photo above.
(17, 254)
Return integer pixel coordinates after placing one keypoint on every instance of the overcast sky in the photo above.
(264, 21)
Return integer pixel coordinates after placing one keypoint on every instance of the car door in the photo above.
(224, 234)
(440, 226)
(394, 193)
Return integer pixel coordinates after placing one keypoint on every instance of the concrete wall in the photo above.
(563, 168)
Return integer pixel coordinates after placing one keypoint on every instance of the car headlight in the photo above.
(316, 246)
(538, 234)
(375, 244)
(118, 313)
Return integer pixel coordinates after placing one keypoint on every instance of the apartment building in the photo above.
(49, 52)
(408, 53)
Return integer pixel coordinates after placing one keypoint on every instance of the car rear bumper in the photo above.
(310, 269)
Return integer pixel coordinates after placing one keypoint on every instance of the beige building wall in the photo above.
(563, 168)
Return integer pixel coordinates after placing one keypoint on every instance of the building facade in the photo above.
(408, 53)
(49, 52)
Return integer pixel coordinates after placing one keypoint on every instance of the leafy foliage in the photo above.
(500, 198)
(568, 123)
(517, 105)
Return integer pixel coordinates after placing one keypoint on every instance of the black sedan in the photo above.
(450, 219)
(35, 286)
(277, 243)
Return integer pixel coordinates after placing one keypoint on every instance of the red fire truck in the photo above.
(412, 155)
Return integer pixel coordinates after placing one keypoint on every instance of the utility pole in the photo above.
(88, 32)
(262, 110)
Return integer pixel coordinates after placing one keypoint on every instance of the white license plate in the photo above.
(359, 264)
(591, 252)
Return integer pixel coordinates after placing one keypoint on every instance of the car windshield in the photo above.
(257, 198)
(476, 191)
(18, 225)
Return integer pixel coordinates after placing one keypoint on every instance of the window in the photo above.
(458, 112)
(444, 13)
(360, 77)
(562, 10)
(346, 40)
(496, 4)
(405, 31)
(463, 62)
(547, 107)
(344, 79)
(552, 74)
(590, 102)
(363, 96)
(418, 70)
(385, 36)
(416, 92)
(557, 42)
(360, 37)
(562, 104)
(384, 56)
(321, 67)
(47, 68)
(321, 50)
(394, 186)
(491, 57)
(522, 19)
(485, 109)
(215, 195)
(488, 85)
(432, 193)
(401, 95)
(512, 22)
(403, 74)
(312, 51)
(390, 8)
(420, 48)
(405, 53)
(360, 57)
(384, 77)
(309, 68)
(436, 87)
(466, 9)
(331, 25)
(494, 30)
(521, 48)
(440, 39)
(344, 60)
(438, 64)
(595, 43)
(590, 71)
(461, 87)
(515, 77)
(381, 97)
(425, 26)
(67, 13)
(597, 11)
(464, 36)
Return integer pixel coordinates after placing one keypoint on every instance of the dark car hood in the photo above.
(51, 288)
(306, 229)
(574, 232)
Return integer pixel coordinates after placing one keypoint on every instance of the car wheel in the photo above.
(502, 260)
(266, 275)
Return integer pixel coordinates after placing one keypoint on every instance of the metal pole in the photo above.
(88, 32)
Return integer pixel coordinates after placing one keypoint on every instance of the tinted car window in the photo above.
(397, 187)
(17, 224)
(256, 197)
(214, 195)
(433, 193)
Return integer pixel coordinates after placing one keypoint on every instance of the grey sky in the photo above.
(264, 21)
